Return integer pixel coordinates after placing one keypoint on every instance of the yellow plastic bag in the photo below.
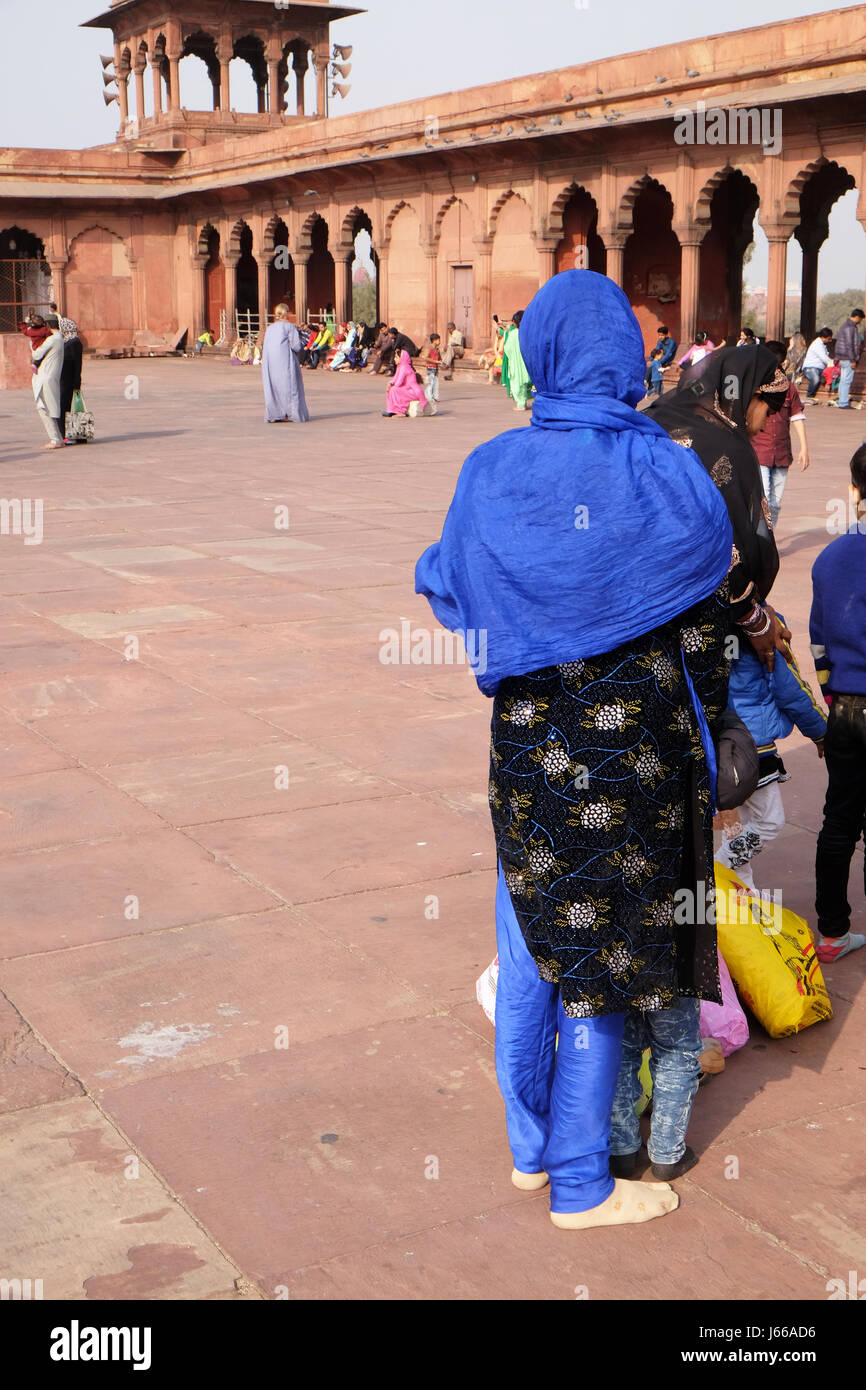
(771, 956)
(645, 1079)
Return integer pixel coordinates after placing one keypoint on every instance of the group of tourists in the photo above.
(56, 361)
(608, 643)
(354, 347)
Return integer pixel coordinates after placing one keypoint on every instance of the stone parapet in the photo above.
(15, 372)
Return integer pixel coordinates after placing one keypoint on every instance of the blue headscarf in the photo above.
(591, 527)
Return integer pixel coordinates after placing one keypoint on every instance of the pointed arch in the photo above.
(393, 215)
(499, 205)
(561, 202)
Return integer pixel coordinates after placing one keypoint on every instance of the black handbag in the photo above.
(737, 762)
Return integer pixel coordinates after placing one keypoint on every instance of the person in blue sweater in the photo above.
(770, 704)
(838, 635)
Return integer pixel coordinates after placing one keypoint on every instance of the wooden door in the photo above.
(462, 300)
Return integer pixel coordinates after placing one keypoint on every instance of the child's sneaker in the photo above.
(831, 948)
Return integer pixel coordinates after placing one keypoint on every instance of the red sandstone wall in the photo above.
(514, 278)
(407, 277)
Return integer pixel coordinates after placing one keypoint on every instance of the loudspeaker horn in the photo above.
(108, 78)
(109, 97)
(343, 52)
(342, 68)
(106, 62)
(343, 90)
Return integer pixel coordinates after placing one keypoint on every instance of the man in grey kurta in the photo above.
(48, 361)
(281, 372)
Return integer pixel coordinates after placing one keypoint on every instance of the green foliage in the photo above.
(833, 309)
(364, 302)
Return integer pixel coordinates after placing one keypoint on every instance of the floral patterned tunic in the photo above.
(600, 798)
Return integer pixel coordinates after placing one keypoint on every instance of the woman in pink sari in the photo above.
(404, 389)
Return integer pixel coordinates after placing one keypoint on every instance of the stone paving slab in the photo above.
(146, 779)
(216, 992)
(74, 1219)
(84, 897)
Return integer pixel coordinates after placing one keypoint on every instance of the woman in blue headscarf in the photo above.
(584, 560)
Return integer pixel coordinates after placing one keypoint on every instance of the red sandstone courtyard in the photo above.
(248, 874)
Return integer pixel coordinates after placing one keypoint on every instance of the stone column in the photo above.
(174, 81)
(809, 289)
(57, 265)
(155, 64)
(301, 260)
(321, 66)
(615, 246)
(300, 67)
(382, 284)
(139, 88)
(199, 297)
(231, 265)
(690, 270)
(123, 96)
(275, 96)
(264, 265)
(224, 54)
(776, 280)
(343, 283)
(431, 251)
(546, 250)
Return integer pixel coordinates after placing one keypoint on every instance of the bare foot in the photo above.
(529, 1182)
(628, 1204)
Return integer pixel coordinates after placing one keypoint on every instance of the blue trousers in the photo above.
(558, 1102)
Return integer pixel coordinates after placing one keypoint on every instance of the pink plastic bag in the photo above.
(725, 1021)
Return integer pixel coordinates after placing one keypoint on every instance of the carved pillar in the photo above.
(174, 80)
(321, 66)
(382, 284)
(140, 64)
(301, 259)
(615, 246)
(690, 271)
(155, 67)
(343, 260)
(224, 54)
(264, 265)
(123, 95)
(199, 296)
(431, 251)
(231, 265)
(546, 249)
(810, 243)
(776, 280)
(300, 66)
(275, 96)
(57, 266)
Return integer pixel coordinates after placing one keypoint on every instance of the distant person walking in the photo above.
(772, 444)
(848, 350)
(281, 372)
(70, 376)
(47, 371)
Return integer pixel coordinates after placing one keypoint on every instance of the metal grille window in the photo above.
(25, 287)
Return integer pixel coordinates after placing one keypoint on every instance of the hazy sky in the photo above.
(403, 49)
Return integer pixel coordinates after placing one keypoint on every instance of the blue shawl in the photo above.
(589, 528)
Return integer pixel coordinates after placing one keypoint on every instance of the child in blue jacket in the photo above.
(770, 705)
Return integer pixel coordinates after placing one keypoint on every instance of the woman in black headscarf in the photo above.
(717, 406)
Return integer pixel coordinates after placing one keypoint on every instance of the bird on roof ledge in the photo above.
(692, 72)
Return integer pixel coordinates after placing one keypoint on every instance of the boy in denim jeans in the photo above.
(674, 1039)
